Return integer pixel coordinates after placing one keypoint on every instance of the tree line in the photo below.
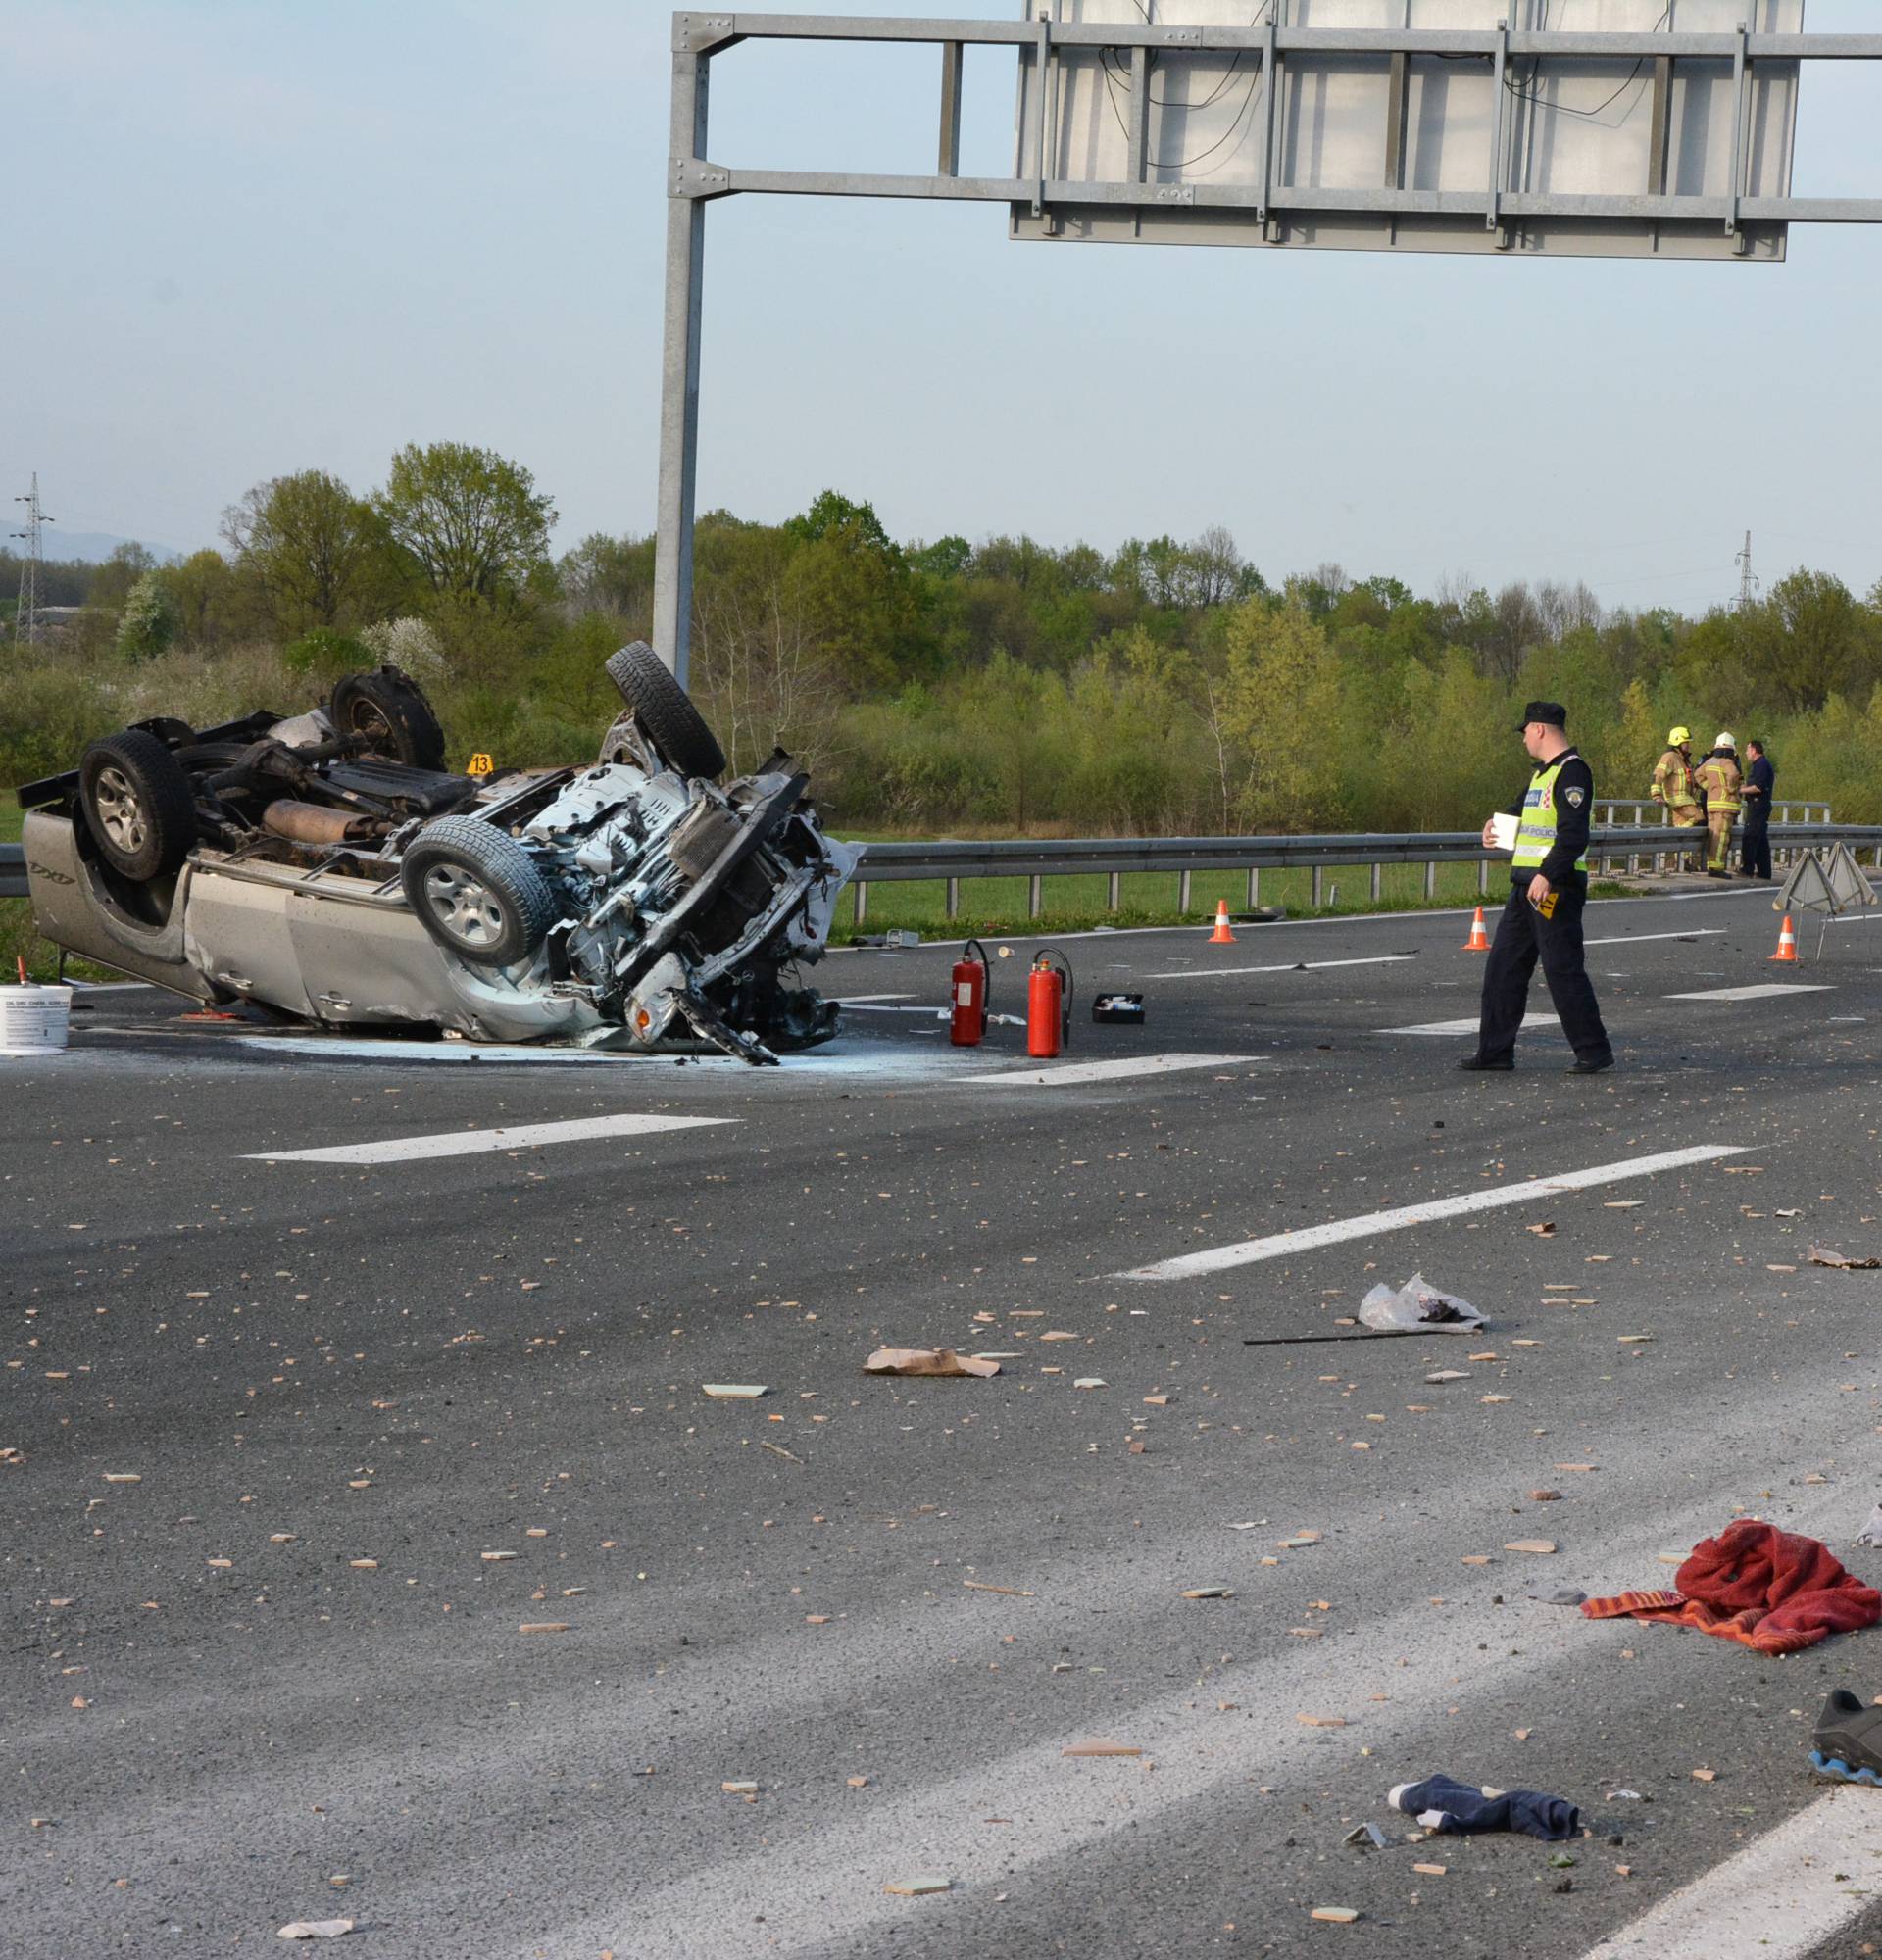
(1003, 685)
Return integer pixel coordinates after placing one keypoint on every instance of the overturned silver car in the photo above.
(328, 868)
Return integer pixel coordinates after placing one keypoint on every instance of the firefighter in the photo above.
(1673, 780)
(1719, 780)
(1548, 889)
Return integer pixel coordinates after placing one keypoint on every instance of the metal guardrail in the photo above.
(1644, 810)
(1037, 859)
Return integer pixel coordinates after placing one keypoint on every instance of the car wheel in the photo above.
(476, 891)
(666, 711)
(390, 710)
(137, 803)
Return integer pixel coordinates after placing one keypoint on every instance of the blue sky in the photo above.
(248, 239)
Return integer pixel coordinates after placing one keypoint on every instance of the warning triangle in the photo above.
(1807, 889)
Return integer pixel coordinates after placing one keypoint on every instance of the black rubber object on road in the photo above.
(666, 711)
(137, 803)
(390, 710)
(476, 891)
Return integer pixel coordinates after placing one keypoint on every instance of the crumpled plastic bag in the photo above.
(1417, 1304)
(1871, 1532)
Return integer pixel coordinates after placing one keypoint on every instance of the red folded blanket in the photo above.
(1774, 1591)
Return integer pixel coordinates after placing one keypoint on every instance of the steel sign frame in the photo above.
(1267, 211)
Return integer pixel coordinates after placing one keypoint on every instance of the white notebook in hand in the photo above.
(1503, 831)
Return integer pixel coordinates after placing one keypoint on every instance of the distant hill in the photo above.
(94, 547)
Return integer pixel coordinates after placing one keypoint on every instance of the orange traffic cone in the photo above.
(1221, 935)
(1786, 942)
(1479, 940)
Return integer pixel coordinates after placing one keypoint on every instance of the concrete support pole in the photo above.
(679, 367)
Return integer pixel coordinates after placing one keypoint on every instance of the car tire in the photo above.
(390, 710)
(476, 891)
(137, 803)
(666, 711)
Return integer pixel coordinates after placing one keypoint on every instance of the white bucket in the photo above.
(34, 1020)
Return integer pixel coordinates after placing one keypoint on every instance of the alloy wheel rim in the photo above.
(464, 905)
(119, 811)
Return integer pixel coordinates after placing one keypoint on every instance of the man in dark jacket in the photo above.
(1754, 847)
(1548, 889)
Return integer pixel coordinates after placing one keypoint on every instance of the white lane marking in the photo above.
(1641, 938)
(338, 1047)
(868, 1000)
(1776, 1900)
(1191, 1265)
(1289, 966)
(1059, 1075)
(465, 1142)
(1468, 1024)
(1751, 993)
(870, 1007)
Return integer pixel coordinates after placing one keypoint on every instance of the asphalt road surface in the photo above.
(339, 1367)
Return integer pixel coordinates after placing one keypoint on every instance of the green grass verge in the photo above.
(1077, 902)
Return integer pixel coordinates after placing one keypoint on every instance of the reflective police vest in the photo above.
(1536, 833)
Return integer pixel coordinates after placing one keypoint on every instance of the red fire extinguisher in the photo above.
(968, 1021)
(1048, 1003)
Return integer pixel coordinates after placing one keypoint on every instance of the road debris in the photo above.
(1447, 1375)
(917, 1887)
(124, 1476)
(739, 1786)
(1011, 1592)
(1774, 1592)
(1433, 1871)
(1705, 1776)
(543, 1627)
(1547, 1230)
(779, 1449)
(1334, 1915)
(315, 1928)
(1822, 1255)
(735, 1392)
(1209, 1593)
(1542, 1547)
(1568, 1597)
(926, 1361)
(1417, 1307)
(1442, 1804)
(1091, 1382)
(1366, 1836)
(1871, 1532)
(1321, 1721)
(1545, 1496)
(1099, 1746)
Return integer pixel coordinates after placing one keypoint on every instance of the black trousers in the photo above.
(1524, 936)
(1754, 842)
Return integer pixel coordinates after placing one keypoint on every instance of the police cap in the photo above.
(1551, 711)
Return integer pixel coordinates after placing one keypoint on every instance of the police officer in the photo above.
(1754, 847)
(1548, 889)
(1673, 780)
(1719, 780)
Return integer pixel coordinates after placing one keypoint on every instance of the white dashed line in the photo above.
(1192, 1265)
(1751, 993)
(1641, 938)
(465, 1143)
(1066, 1075)
(1289, 966)
(1777, 1900)
(1468, 1024)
